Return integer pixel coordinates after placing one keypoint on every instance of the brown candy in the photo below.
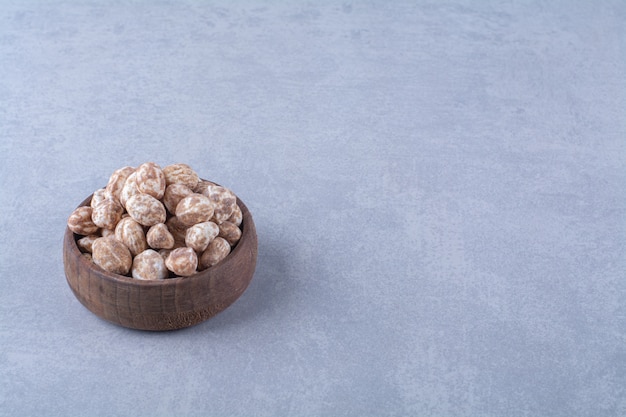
(159, 237)
(230, 232)
(117, 180)
(181, 174)
(217, 250)
(193, 209)
(85, 244)
(150, 180)
(146, 209)
(80, 221)
(224, 202)
(200, 235)
(112, 255)
(107, 213)
(148, 221)
(182, 262)
(149, 265)
(130, 233)
(129, 189)
(173, 194)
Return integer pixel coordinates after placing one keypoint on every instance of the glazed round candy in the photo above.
(107, 213)
(99, 196)
(230, 232)
(159, 237)
(224, 201)
(149, 265)
(193, 209)
(181, 174)
(85, 244)
(193, 223)
(150, 179)
(146, 209)
(80, 221)
(237, 216)
(130, 233)
(218, 249)
(200, 235)
(117, 180)
(112, 255)
(129, 189)
(182, 261)
(173, 194)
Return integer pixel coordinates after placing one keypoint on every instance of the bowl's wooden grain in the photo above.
(167, 304)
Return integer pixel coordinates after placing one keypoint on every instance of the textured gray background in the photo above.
(439, 191)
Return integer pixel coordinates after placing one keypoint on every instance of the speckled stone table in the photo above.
(439, 190)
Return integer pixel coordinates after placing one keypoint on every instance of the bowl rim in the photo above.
(123, 279)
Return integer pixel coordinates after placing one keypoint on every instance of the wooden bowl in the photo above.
(167, 304)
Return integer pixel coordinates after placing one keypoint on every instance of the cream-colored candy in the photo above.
(191, 222)
(181, 174)
(99, 196)
(202, 186)
(182, 262)
(117, 180)
(159, 237)
(150, 179)
(80, 221)
(129, 189)
(237, 216)
(149, 265)
(130, 233)
(193, 209)
(107, 213)
(112, 255)
(200, 235)
(217, 250)
(146, 209)
(85, 244)
(224, 202)
(230, 232)
(173, 194)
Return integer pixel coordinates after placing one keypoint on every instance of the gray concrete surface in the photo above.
(439, 191)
